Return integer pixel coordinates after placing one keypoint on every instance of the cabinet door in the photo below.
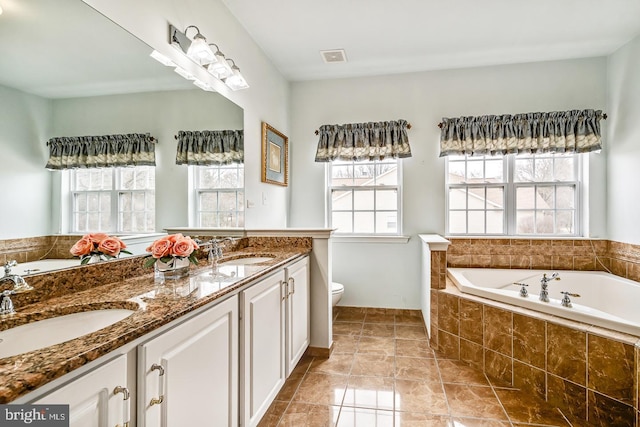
(188, 376)
(91, 398)
(298, 328)
(263, 344)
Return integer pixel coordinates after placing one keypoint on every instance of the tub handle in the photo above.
(523, 289)
(566, 301)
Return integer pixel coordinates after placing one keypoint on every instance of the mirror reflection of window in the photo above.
(219, 195)
(116, 200)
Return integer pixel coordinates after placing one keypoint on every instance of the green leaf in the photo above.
(85, 260)
(192, 258)
(149, 261)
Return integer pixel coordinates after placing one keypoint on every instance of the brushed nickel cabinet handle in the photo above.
(158, 400)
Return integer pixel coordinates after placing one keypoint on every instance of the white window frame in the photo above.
(114, 195)
(510, 187)
(198, 190)
(398, 188)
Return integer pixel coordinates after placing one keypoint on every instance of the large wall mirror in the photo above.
(66, 70)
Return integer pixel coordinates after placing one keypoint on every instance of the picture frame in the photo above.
(275, 156)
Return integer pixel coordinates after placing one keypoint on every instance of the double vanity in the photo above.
(210, 349)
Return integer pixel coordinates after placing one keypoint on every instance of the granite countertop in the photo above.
(153, 305)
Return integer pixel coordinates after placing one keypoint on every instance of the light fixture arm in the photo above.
(192, 26)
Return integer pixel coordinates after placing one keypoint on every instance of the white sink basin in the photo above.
(56, 330)
(250, 260)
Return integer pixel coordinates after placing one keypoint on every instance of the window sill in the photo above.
(370, 239)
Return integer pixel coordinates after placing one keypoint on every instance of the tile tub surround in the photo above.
(383, 373)
(590, 373)
(623, 259)
(66, 292)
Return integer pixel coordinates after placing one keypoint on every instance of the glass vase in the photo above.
(175, 269)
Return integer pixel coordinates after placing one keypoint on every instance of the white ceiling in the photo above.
(398, 36)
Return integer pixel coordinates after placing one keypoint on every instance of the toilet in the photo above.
(337, 289)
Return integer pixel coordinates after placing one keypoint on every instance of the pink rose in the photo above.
(161, 247)
(110, 246)
(82, 247)
(97, 237)
(183, 247)
(120, 242)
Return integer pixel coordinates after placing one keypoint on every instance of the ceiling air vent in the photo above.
(333, 56)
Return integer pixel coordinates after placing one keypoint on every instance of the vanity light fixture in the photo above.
(162, 59)
(199, 50)
(235, 81)
(220, 68)
(204, 86)
(0, 10)
(215, 62)
(184, 73)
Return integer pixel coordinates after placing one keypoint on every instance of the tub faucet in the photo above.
(544, 283)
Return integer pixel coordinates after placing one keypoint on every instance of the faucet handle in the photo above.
(523, 289)
(8, 266)
(566, 301)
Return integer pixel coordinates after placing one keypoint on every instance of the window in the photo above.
(113, 200)
(364, 197)
(219, 195)
(514, 195)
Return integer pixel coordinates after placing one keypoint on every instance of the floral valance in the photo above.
(133, 149)
(363, 141)
(575, 131)
(210, 147)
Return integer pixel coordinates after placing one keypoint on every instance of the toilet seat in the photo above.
(336, 287)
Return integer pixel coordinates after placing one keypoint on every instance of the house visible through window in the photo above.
(113, 199)
(364, 197)
(514, 195)
(219, 195)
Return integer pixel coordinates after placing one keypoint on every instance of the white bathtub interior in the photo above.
(605, 300)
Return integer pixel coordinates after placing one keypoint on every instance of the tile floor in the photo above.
(383, 373)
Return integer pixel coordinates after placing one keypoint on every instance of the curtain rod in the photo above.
(408, 127)
(604, 116)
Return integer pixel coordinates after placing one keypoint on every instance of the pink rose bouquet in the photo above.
(168, 248)
(98, 244)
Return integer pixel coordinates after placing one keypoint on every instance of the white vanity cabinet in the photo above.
(275, 333)
(96, 399)
(188, 375)
(263, 346)
(297, 313)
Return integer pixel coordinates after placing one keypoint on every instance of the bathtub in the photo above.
(41, 266)
(605, 300)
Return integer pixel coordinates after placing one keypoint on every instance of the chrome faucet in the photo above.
(19, 286)
(544, 283)
(215, 249)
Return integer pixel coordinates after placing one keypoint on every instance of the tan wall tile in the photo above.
(449, 313)
(471, 321)
(604, 411)
(500, 261)
(611, 368)
(480, 261)
(459, 261)
(498, 330)
(498, 367)
(569, 397)
(584, 263)
(449, 344)
(520, 242)
(529, 340)
(633, 271)
(541, 262)
(520, 261)
(530, 379)
(562, 262)
(567, 353)
(472, 353)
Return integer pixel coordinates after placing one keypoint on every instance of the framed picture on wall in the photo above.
(275, 156)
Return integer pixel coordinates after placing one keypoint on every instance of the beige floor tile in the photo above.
(522, 407)
(377, 345)
(321, 389)
(411, 332)
(474, 401)
(272, 417)
(454, 371)
(347, 328)
(369, 392)
(378, 330)
(411, 368)
(478, 422)
(309, 415)
(420, 396)
(412, 419)
(337, 364)
(345, 343)
(363, 417)
(413, 348)
(373, 365)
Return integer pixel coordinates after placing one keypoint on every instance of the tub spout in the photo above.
(544, 283)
